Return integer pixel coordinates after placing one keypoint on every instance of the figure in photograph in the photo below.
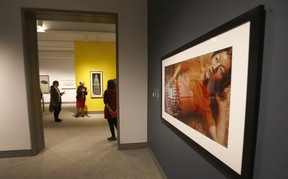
(96, 85)
(55, 100)
(82, 91)
(197, 92)
(110, 110)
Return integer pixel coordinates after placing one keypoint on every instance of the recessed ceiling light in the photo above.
(40, 26)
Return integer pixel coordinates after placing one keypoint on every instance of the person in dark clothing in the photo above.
(110, 110)
(55, 100)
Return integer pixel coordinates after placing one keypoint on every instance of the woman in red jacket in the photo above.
(80, 99)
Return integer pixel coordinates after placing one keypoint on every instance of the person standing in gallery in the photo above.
(110, 110)
(55, 100)
(82, 91)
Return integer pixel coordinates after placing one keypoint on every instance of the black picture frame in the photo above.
(243, 37)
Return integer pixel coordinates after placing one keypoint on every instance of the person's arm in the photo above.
(86, 91)
(62, 93)
(180, 68)
(110, 110)
(105, 97)
(78, 91)
(52, 96)
(222, 101)
(106, 102)
(215, 127)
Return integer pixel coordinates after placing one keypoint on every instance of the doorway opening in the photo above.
(69, 19)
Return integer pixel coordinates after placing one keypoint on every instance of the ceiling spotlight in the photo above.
(40, 26)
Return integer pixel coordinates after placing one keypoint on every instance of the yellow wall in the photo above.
(94, 56)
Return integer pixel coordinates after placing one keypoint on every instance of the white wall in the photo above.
(132, 66)
(58, 66)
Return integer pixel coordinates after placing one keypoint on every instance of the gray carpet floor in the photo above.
(78, 148)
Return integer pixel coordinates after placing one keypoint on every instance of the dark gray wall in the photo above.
(175, 23)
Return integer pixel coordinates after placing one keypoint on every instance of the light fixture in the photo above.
(40, 26)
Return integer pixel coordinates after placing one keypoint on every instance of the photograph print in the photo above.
(197, 93)
(96, 84)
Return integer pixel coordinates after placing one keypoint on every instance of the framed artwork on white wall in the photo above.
(44, 84)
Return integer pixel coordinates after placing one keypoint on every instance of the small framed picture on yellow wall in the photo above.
(96, 82)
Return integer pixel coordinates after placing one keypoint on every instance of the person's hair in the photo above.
(228, 50)
(226, 81)
(55, 82)
(81, 82)
(111, 84)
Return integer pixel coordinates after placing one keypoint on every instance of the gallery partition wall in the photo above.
(29, 19)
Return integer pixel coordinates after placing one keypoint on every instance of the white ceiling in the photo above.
(60, 35)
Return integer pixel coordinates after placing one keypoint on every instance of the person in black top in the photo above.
(55, 100)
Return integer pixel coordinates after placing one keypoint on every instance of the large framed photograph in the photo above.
(44, 84)
(210, 92)
(96, 82)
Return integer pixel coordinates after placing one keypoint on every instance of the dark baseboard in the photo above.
(95, 112)
(15, 153)
(132, 146)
